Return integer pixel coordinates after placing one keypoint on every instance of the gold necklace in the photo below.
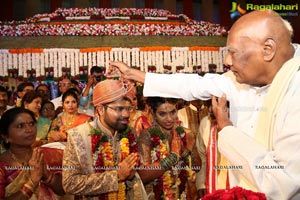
(25, 162)
(69, 121)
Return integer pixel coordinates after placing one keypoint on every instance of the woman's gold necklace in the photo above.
(25, 162)
(69, 121)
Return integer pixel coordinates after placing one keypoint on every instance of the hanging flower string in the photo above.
(165, 185)
(49, 63)
(103, 157)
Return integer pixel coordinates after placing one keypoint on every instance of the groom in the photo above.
(103, 152)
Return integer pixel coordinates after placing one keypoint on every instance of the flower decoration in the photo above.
(104, 159)
(157, 22)
(49, 72)
(235, 193)
(226, 68)
(13, 73)
(151, 68)
(179, 68)
(212, 68)
(164, 185)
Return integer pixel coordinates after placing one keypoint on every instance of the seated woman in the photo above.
(69, 118)
(32, 101)
(168, 154)
(23, 173)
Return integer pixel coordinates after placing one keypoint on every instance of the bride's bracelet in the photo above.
(169, 161)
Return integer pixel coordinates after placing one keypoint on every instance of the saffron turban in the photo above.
(111, 90)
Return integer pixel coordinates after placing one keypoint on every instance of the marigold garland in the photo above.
(163, 185)
(104, 159)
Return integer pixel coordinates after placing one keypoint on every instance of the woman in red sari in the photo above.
(23, 173)
(69, 118)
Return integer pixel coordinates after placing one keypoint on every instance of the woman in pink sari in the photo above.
(69, 118)
(23, 172)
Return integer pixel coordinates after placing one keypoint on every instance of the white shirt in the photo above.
(237, 142)
(57, 101)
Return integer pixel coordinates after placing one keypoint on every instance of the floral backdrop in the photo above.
(113, 21)
(50, 64)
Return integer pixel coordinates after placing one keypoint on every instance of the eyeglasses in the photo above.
(120, 109)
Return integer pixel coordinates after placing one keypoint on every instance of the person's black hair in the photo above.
(96, 69)
(48, 87)
(71, 92)
(3, 89)
(22, 85)
(8, 118)
(74, 82)
(42, 84)
(29, 97)
(141, 102)
(155, 102)
(47, 102)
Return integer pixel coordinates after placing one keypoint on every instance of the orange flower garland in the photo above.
(164, 186)
(104, 159)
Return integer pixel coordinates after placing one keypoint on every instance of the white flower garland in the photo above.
(42, 64)
(74, 58)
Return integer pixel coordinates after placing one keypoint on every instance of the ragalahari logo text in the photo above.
(282, 9)
(236, 11)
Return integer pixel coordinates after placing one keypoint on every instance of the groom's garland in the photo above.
(103, 158)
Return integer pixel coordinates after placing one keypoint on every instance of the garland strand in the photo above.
(104, 159)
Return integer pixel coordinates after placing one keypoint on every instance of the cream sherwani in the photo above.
(79, 176)
(238, 143)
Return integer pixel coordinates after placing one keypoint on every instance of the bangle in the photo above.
(185, 154)
(169, 161)
(27, 190)
(31, 183)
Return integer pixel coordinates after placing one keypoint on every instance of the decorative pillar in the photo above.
(32, 7)
(208, 10)
(6, 12)
(224, 13)
(149, 3)
(188, 8)
(54, 4)
(126, 3)
(170, 5)
(105, 4)
(82, 3)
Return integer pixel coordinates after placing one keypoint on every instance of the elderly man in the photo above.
(262, 136)
(100, 156)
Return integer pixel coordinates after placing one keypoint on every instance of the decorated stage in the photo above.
(68, 42)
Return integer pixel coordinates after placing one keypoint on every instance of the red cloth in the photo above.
(53, 158)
